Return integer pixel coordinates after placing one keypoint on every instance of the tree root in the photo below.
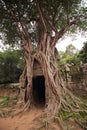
(58, 97)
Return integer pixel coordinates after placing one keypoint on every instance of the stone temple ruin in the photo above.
(76, 78)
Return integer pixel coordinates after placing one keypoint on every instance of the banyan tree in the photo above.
(37, 25)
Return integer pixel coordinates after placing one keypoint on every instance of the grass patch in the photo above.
(78, 118)
(5, 100)
(6, 105)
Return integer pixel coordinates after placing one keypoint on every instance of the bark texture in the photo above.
(46, 57)
(57, 95)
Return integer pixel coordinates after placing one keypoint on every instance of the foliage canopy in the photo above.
(83, 53)
(57, 16)
(11, 65)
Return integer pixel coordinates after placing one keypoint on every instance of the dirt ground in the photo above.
(27, 121)
(20, 122)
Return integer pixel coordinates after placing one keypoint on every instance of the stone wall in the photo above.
(9, 89)
(76, 78)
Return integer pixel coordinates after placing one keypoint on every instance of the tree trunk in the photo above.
(47, 61)
(57, 96)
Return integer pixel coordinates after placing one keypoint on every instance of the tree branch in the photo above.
(63, 31)
(21, 29)
(41, 16)
(50, 24)
(25, 36)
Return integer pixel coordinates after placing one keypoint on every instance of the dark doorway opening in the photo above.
(39, 90)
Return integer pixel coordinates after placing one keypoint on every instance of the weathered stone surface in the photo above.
(76, 78)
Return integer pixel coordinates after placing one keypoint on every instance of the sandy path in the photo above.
(23, 122)
(28, 121)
